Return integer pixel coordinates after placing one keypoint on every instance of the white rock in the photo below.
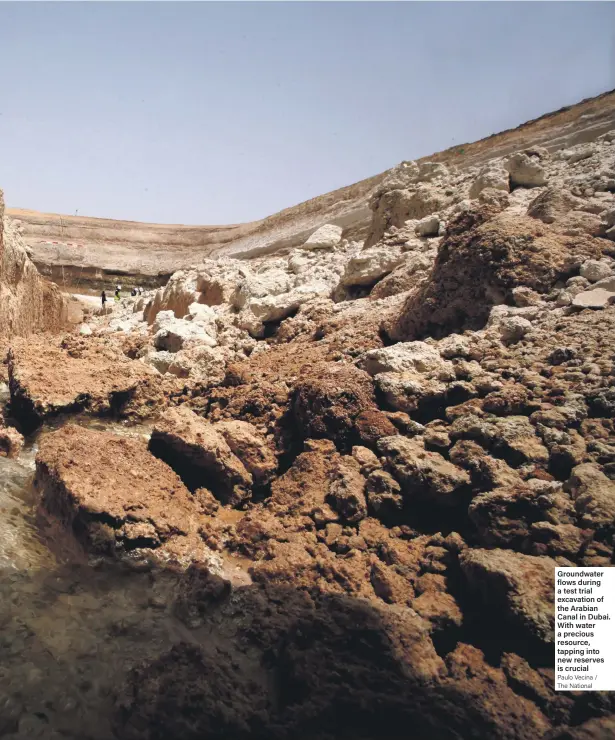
(493, 175)
(85, 330)
(578, 153)
(371, 265)
(525, 171)
(596, 298)
(455, 345)
(428, 226)
(159, 360)
(326, 237)
(172, 334)
(514, 328)
(417, 357)
(607, 283)
(594, 270)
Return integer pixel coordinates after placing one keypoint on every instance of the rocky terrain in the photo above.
(77, 251)
(353, 468)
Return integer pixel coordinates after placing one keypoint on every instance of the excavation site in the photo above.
(310, 477)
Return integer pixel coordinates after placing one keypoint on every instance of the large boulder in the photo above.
(113, 494)
(525, 170)
(515, 590)
(172, 334)
(326, 237)
(395, 207)
(492, 175)
(371, 265)
(483, 258)
(202, 456)
(48, 377)
(425, 477)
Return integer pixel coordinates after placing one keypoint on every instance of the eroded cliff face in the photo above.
(28, 302)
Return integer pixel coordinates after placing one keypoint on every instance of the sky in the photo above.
(216, 113)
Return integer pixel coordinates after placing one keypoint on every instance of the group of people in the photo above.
(116, 297)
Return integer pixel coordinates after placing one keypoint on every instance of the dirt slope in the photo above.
(89, 252)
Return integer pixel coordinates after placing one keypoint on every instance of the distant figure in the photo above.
(103, 298)
(117, 296)
(140, 290)
(133, 292)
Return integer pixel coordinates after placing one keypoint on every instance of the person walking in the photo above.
(117, 296)
(103, 298)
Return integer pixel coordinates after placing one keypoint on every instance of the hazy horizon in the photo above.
(219, 113)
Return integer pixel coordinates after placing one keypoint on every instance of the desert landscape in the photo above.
(314, 482)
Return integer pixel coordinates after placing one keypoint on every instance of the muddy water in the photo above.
(69, 630)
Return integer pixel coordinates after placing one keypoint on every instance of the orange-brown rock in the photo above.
(113, 494)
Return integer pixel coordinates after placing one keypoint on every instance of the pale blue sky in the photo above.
(224, 112)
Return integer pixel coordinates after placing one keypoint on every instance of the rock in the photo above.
(326, 237)
(594, 496)
(250, 447)
(171, 334)
(514, 328)
(11, 442)
(347, 492)
(52, 376)
(85, 330)
(416, 357)
(423, 476)
(201, 455)
(114, 495)
(160, 360)
(371, 265)
(525, 171)
(577, 154)
(475, 689)
(480, 261)
(28, 302)
(553, 204)
(595, 270)
(516, 590)
(384, 497)
(407, 275)
(176, 296)
(394, 207)
(428, 226)
(607, 283)
(493, 175)
(328, 402)
(596, 298)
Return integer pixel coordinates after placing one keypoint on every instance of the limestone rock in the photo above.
(171, 334)
(493, 175)
(371, 265)
(525, 171)
(326, 237)
(595, 270)
(428, 226)
(112, 493)
(416, 357)
(514, 328)
(596, 298)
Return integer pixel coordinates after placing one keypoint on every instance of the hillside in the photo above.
(85, 252)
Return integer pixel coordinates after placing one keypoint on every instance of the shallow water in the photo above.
(69, 630)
